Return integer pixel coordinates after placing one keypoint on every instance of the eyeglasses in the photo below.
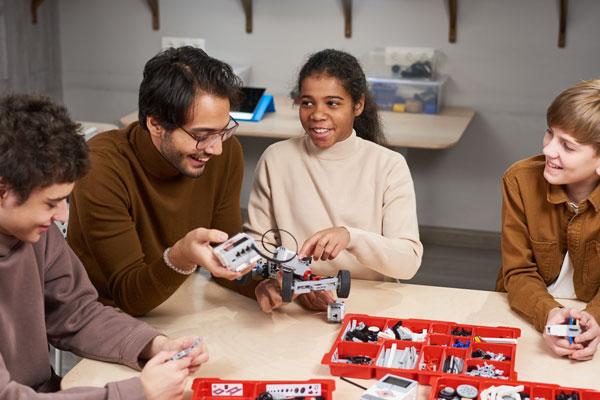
(203, 141)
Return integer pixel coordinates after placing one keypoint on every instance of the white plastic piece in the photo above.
(502, 392)
(186, 352)
(563, 330)
(238, 252)
(287, 391)
(336, 311)
(226, 389)
(390, 359)
(392, 387)
(467, 391)
(499, 340)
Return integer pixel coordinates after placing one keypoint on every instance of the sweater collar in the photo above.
(7, 243)
(340, 150)
(150, 158)
(556, 194)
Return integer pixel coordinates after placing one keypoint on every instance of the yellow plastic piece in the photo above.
(399, 107)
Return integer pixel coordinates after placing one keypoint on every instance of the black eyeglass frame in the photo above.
(206, 140)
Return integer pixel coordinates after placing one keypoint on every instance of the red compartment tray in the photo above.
(431, 353)
(230, 389)
(533, 389)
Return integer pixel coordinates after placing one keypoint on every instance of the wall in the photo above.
(506, 65)
(30, 54)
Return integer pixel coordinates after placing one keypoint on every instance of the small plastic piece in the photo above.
(237, 253)
(563, 330)
(186, 352)
(336, 311)
(392, 387)
(447, 392)
(467, 391)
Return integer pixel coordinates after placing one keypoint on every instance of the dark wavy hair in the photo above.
(346, 68)
(39, 144)
(172, 79)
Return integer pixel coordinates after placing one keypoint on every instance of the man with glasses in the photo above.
(161, 190)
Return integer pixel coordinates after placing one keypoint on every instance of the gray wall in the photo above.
(506, 65)
(30, 54)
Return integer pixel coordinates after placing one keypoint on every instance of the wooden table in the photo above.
(401, 129)
(245, 343)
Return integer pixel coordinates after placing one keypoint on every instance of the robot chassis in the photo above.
(240, 251)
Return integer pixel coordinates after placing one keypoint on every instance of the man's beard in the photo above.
(178, 159)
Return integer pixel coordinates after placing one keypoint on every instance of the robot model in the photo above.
(241, 251)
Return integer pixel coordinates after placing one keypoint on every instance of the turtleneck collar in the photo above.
(7, 243)
(338, 151)
(150, 158)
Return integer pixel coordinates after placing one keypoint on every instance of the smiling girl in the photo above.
(551, 223)
(348, 200)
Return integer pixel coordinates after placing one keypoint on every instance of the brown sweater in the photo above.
(46, 297)
(134, 203)
(538, 227)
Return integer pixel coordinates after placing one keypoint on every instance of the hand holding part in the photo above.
(326, 244)
(195, 249)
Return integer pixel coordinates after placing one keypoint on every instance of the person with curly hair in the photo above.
(349, 200)
(45, 294)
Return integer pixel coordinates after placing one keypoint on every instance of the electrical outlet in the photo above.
(172, 41)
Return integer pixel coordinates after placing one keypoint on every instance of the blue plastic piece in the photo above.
(265, 104)
(430, 108)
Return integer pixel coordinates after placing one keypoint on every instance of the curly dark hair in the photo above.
(39, 144)
(346, 68)
(172, 79)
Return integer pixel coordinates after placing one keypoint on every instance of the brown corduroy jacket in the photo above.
(538, 227)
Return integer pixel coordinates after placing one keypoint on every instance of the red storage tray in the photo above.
(231, 389)
(533, 389)
(432, 353)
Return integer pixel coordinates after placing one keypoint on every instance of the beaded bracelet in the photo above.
(173, 267)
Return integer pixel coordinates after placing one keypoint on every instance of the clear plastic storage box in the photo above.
(408, 95)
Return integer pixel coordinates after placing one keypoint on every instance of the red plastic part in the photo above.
(203, 388)
(534, 389)
(432, 352)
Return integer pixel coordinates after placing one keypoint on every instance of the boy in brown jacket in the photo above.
(551, 223)
(45, 294)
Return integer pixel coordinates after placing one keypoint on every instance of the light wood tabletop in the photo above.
(424, 131)
(245, 343)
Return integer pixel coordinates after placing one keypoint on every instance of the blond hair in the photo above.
(577, 111)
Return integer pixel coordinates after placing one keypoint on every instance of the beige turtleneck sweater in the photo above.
(357, 184)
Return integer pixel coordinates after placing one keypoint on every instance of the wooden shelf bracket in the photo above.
(452, 14)
(247, 5)
(35, 4)
(562, 29)
(347, 8)
(153, 4)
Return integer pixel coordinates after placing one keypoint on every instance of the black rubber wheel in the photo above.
(287, 285)
(245, 279)
(343, 285)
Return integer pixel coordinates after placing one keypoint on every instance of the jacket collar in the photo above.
(556, 194)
